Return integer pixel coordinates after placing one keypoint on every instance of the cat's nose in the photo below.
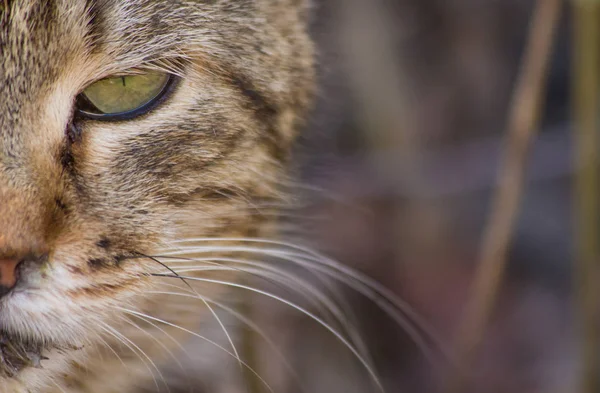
(12, 268)
(12, 256)
(25, 221)
(8, 274)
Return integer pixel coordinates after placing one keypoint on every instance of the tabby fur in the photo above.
(86, 200)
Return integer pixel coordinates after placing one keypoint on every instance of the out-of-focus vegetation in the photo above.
(411, 128)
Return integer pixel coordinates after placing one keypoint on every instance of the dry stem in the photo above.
(522, 124)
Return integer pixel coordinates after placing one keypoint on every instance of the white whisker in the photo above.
(138, 314)
(290, 282)
(214, 314)
(109, 347)
(163, 346)
(310, 259)
(58, 386)
(177, 343)
(344, 277)
(133, 347)
(248, 323)
(346, 343)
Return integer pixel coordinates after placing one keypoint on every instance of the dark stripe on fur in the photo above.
(266, 113)
(95, 25)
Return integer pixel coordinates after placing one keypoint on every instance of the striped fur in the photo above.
(88, 198)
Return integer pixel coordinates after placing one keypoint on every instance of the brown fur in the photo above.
(82, 198)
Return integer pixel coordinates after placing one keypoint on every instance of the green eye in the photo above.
(123, 97)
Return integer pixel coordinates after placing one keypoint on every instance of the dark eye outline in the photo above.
(84, 108)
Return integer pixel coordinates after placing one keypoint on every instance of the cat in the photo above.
(135, 136)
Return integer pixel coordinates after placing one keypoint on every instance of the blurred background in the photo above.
(408, 132)
(397, 170)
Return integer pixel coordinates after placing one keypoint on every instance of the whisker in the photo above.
(346, 343)
(163, 346)
(251, 325)
(363, 284)
(204, 301)
(212, 265)
(138, 314)
(335, 305)
(110, 348)
(276, 276)
(133, 347)
(177, 343)
(57, 385)
(291, 282)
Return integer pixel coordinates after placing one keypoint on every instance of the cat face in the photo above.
(83, 198)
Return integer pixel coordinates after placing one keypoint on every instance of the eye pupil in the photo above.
(123, 97)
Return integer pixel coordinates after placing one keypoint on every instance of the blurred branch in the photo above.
(586, 103)
(522, 124)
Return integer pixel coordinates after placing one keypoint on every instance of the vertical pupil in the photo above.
(123, 80)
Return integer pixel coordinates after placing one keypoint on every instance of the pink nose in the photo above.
(8, 274)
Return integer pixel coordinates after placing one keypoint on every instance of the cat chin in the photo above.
(39, 377)
(19, 353)
(26, 343)
(28, 338)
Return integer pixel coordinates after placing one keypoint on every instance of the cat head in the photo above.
(125, 125)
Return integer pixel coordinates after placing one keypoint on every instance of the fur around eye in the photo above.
(123, 97)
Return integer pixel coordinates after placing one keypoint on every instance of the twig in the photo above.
(521, 128)
(586, 62)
